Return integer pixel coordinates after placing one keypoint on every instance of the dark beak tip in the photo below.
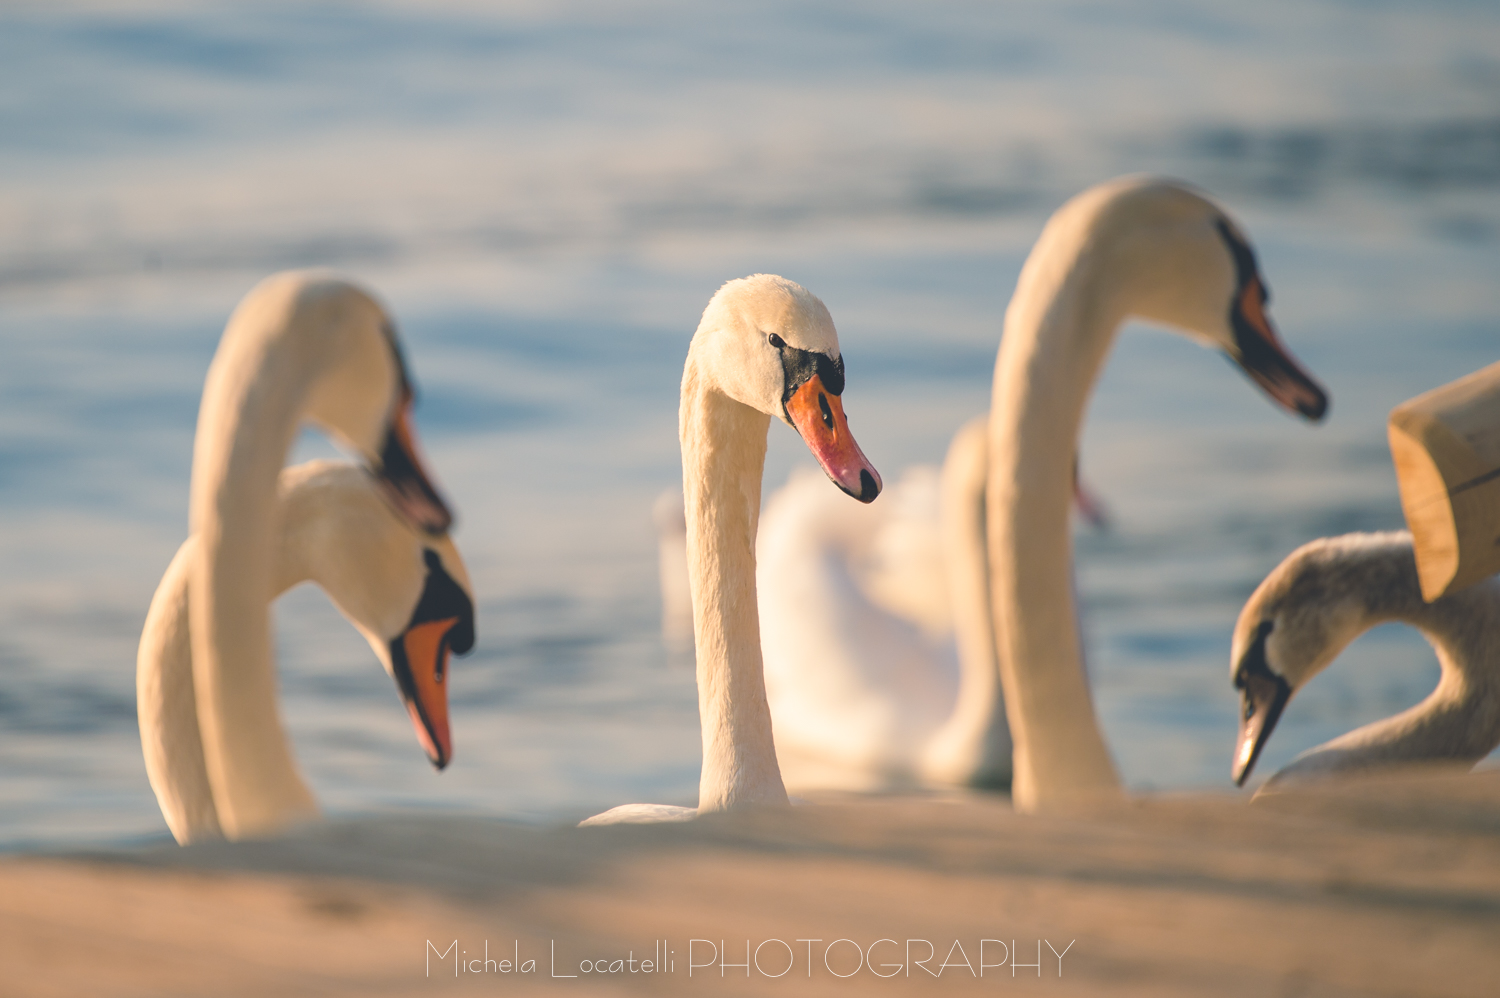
(869, 487)
(1304, 397)
(1316, 409)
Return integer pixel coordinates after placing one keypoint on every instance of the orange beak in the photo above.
(419, 659)
(404, 480)
(819, 418)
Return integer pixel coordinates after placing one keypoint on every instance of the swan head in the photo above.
(364, 393)
(407, 592)
(770, 344)
(1188, 265)
(1318, 600)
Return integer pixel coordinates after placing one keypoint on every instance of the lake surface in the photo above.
(547, 195)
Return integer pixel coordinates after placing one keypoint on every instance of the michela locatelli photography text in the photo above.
(770, 958)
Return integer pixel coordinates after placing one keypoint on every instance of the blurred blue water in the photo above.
(547, 198)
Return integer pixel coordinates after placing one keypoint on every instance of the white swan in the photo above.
(300, 346)
(1141, 247)
(765, 346)
(1326, 594)
(406, 592)
(857, 607)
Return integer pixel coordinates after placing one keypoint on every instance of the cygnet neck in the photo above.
(1460, 719)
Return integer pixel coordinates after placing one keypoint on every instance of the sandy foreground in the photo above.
(1388, 887)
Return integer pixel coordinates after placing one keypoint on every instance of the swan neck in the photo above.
(1380, 585)
(1458, 721)
(1461, 717)
(723, 457)
(167, 711)
(1058, 330)
(166, 705)
(973, 748)
(252, 403)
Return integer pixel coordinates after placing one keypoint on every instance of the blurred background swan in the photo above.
(301, 346)
(876, 633)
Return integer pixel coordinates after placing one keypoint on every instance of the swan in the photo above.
(407, 593)
(765, 347)
(301, 346)
(1139, 247)
(1326, 594)
(856, 606)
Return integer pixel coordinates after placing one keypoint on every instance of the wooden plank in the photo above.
(1446, 447)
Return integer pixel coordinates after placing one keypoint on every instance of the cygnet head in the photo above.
(769, 343)
(1323, 596)
(407, 592)
(364, 394)
(1185, 263)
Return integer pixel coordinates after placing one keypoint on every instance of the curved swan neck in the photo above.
(167, 711)
(274, 351)
(166, 704)
(973, 747)
(723, 457)
(1058, 329)
(1464, 630)
(1360, 581)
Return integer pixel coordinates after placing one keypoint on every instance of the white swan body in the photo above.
(860, 609)
(1142, 247)
(1326, 594)
(880, 657)
(301, 346)
(765, 346)
(406, 592)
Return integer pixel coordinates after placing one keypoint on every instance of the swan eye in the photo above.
(776, 341)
